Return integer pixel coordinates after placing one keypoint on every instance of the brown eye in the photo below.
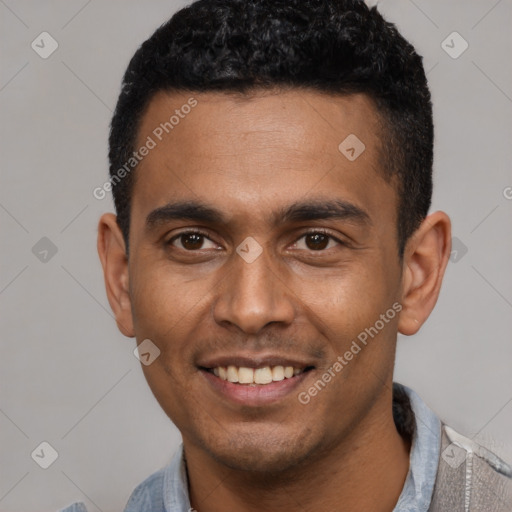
(191, 241)
(317, 241)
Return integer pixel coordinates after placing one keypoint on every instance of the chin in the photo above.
(261, 452)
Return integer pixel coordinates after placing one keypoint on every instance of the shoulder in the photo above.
(148, 496)
(75, 507)
(470, 477)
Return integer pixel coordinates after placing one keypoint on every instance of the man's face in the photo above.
(309, 280)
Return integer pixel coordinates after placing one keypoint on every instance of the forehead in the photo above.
(244, 153)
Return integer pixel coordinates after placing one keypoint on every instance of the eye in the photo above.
(192, 241)
(316, 241)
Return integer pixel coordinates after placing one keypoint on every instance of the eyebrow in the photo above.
(184, 210)
(316, 209)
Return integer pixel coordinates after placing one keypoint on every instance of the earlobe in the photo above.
(425, 260)
(112, 253)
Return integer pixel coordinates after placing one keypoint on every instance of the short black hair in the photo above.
(332, 46)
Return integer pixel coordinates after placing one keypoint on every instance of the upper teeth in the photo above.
(264, 375)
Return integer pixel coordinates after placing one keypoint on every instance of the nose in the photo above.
(252, 296)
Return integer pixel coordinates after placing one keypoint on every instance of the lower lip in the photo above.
(256, 394)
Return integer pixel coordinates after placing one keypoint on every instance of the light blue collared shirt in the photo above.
(167, 489)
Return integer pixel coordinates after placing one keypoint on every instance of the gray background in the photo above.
(70, 378)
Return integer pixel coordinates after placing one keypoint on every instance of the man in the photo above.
(271, 165)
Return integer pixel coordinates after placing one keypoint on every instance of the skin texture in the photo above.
(250, 158)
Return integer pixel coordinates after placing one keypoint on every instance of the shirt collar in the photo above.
(424, 458)
(176, 497)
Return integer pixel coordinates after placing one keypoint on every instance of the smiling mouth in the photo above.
(256, 376)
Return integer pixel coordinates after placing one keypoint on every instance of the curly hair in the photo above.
(331, 46)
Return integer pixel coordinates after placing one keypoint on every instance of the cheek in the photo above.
(162, 298)
(167, 310)
(345, 300)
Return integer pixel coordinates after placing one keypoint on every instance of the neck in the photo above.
(365, 471)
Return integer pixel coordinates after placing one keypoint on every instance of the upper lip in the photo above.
(253, 361)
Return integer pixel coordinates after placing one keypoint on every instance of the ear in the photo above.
(425, 258)
(112, 252)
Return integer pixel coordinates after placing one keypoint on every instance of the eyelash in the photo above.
(322, 231)
(188, 232)
(310, 232)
